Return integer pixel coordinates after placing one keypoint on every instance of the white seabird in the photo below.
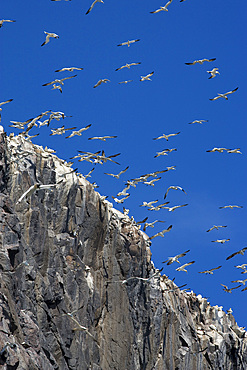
(224, 95)
(147, 77)
(48, 36)
(175, 258)
(162, 8)
(213, 72)
(103, 80)
(91, 7)
(128, 42)
(200, 61)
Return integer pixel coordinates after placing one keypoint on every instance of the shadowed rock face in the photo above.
(63, 255)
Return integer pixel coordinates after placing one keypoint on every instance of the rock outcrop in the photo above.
(64, 256)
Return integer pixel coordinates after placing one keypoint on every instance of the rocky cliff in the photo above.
(66, 300)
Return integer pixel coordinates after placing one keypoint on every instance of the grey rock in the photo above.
(62, 252)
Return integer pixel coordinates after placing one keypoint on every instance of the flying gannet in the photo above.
(128, 42)
(224, 95)
(171, 209)
(79, 132)
(151, 182)
(61, 130)
(229, 290)
(58, 81)
(215, 227)
(125, 82)
(158, 207)
(210, 271)
(199, 121)
(174, 188)
(128, 65)
(2, 103)
(239, 281)
(219, 150)
(148, 204)
(48, 36)
(147, 77)
(175, 258)
(54, 88)
(182, 268)
(242, 267)
(164, 136)
(234, 151)
(123, 192)
(201, 61)
(231, 207)
(69, 69)
(161, 233)
(239, 252)
(91, 7)
(5, 20)
(213, 73)
(102, 138)
(150, 224)
(118, 175)
(137, 277)
(120, 200)
(222, 241)
(104, 80)
(33, 188)
(162, 8)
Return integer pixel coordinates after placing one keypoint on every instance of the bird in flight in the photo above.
(120, 200)
(164, 136)
(102, 138)
(231, 207)
(234, 151)
(61, 130)
(2, 103)
(174, 188)
(158, 207)
(242, 267)
(229, 290)
(119, 174)
(103, 80)
(125, 82)
(239, 252)
(79, 132)
(171, 209)
(69, 69)
(58, 81)
(215, 227)
(182, 268)
(200, 61)
(162, 8)
(222, 241)
(151, 182)
(213, 73)
(219, 150)
(150, 224)
(175, 258)
(164, 152)
(210, 271)
(224, 95)
(239, 281)
(161, 233)
(147, 77)
(5, 20)
(136, 277)
(128, 65)
(57, 87)
(199, 121)
(148, 204)
(91, 7)
(128, 42)
(48, 36)
(35, 187)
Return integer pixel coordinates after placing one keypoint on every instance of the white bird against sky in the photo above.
(210, 272)
(166, 136)
(198, 121)
(224, 95)
(161, 233)
(213, 73)
(182, 268)
(59, 81)
(103, 80)
(172, 187)
(222, 241)
(200, 61)
(5, 20)
(69, 69)
(57, 87)
(128, 43)
(147, 77)
(162, 8)
(215, 227)
(229, 290)
(128, 65)
(236, 253)
(175, 258)
(79, 132)
(48, 36)
(118, 175)
(91, 7)
(171, 209)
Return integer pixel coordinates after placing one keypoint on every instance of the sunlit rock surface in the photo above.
(63, 255)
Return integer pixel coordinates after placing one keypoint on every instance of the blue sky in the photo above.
(140, 111)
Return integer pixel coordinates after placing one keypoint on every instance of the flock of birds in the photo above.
(100, 157)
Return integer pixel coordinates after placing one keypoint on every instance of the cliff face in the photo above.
(64, 253)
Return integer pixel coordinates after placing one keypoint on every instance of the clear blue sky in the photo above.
(139, 111)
